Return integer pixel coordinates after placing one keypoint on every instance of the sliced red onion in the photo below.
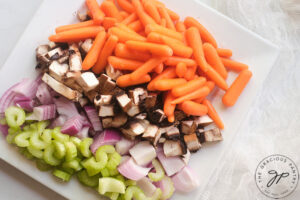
(123, 146)
(124, 158)
(84, 133)
(85, 121)
(43, 112)
(143, 153)
(21, 98)
(132, 171)
(65, 107)
(72, 125)
(43, 94)
(106, 137)
(166, 186)
(147, 186)
(185, 180)
(26, 105)
(93, 117)
(27, 87)
(59, 121)
(7, 99)
(172, 165)
(4, 130)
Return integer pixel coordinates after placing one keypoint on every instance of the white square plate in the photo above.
(247, 47)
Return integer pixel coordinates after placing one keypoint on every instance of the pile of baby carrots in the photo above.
(148, 42)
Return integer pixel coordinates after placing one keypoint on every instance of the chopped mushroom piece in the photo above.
(179, 115)
(200, 135)
(55, 54)
(157, 137)
(106, 111)
(134, 129)
(82, 16)
(83, 101)
(192, 142)
(188, 127)
(61, 88)
(52, 45)
(173, 132)
(102, 100)
(133, 110)
(141, 116)
(186, 157)
(88, 81)
(75, 60)
(124, 101)
(113, 73)
(86, 45)
(150, 101)
(107, 122)
(162, 140)
(64, 58)
(41, 50)
(119, 120)
(72, 84)
(151, 132)
(213, 135)
(137, 94)
(58, 70)
(108, 87)
(157, 116)
(173, 148)
(91, 95)
(203, 120)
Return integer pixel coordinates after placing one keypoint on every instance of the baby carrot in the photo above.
(164, 14)
(214, 60)
(125, 80)
(125, 35)
(146, 68)
(155, 49)
(109, 22)
(233, 65)
(143, 16)
(123, 64)
(123, 14)
(188, 87)
(171, 118)
(137, 26)
(164, 31)
(180, 27)
(201, 92)
(211, 86)
(123, 52)
(168, 84)
(167, 73)
(174, 16)
(151, 9)
(76, 34)
(179, 49)
(131, 18)
(106, 51)
(212, 113)
(217, 78)
(126, 5)
(126, 28)
(173, 61)
(190, 73)
(227, 53)
(235, 90)
(168, 107)
(192, 108)
(181, 69)
(194, 40)
(205, 35)
(163, 22)
(159, 68)
(96, 12)
(110, 10)
(74, 26)
(92, 56)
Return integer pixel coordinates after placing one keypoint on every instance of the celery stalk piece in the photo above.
(21, 139)
(35, 152)
(114, 160)
(130, 182)
(47, 136)
(120, 178)
(112, 195)
(73, 164)
(85, 179)
(108, 184)
(49, 157)
(25, 152)
(113, 172)
(12, 133)
(42, 125)
(157, 195)
(134, 192)
(15, 116)
(85, 147)
(92, 166)
(42, 165)
(76, 141)
(159, 171)
(57, 135)
(60, 150)
(105, 172)
(64, 176)
(36, 142)
(71, 151)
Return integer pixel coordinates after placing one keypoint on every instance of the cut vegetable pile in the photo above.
(122, 100)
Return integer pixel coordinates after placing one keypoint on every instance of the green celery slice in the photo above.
(22, 139)
(15, 116)
(134, 192)
(159, 174)
(108, 184)
(64, 176)
(85, 179)
(85, 147)
(49, 157)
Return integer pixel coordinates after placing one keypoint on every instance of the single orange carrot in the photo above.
(125, 80)
(74, 26)
(205, 35)
(160, 38)
(123, 52)
(181, 69)
(155, 49)
(97, 13)
(146, 68)
(164, 31)
(164, 14)
(174, 16)
(76, 34)
(137, 26)
(125, 35)
(192, 108)
(92, 56)
(168, 107)
(171, 118)
(127, 29)
(234, 65)
(110, 10)
(152, 11)
(190, 73)
(201, 92)
(124, 14)
(227, 53)
(212, 113)
(167, 73)
(188, 87)
(159, 69)
(109, 22)
(163, 22)
(126, 5)
(124, 64)
(168, 84)
(216, 77)
(131, 18)
(143, 16)
(213, 59)
(236, 88)
(173, 61)
(106, 51)
(211, 86)
(194, 40)
(180, 27)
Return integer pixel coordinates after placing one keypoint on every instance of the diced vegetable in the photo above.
(93, 117)
(85, 147)
(85, 179)
(143, 153)
(134, 192)
(72, 126)
(14, 116)
(171, 165)
(107, 137)
(64, 176)
(123, 146)
(167, 187)
(110, 185)
(159, 171)
(146, 186)
(132, 171)
(185, 180)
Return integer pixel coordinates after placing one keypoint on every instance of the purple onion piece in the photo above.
(7, 99)
(44, 112)
(185, 180)
(171, 165)
(72, 126)
(93, 117)
(106, 137)
(84, 133)
(26, 105)
(65, 107)
(43, 94)
(27, 87)
(132, 171)
(58, 122)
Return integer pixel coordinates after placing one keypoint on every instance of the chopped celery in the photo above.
(42, 125)
(112, 195)
(57, 135)
(60, 150)
(36, 142)
(47, 136)
(120, 178)
(85, 147)
(42, 165)
(49, 156)
(73, 164)
(134, 192)
(113, 172)
(159, 171)
(71, 151)
(35, 152)
(157, 195)
(85, 179)
(101, 153)
(68, 170)
(169, 188)
(21, 139)
(114, 161)
(76, 141)
(62, 175)
(105, 172)
(92, 166)
(15, 116)
(108, 184)
(12, 133)
(130, 182)
(27, 154)
(26, 128)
